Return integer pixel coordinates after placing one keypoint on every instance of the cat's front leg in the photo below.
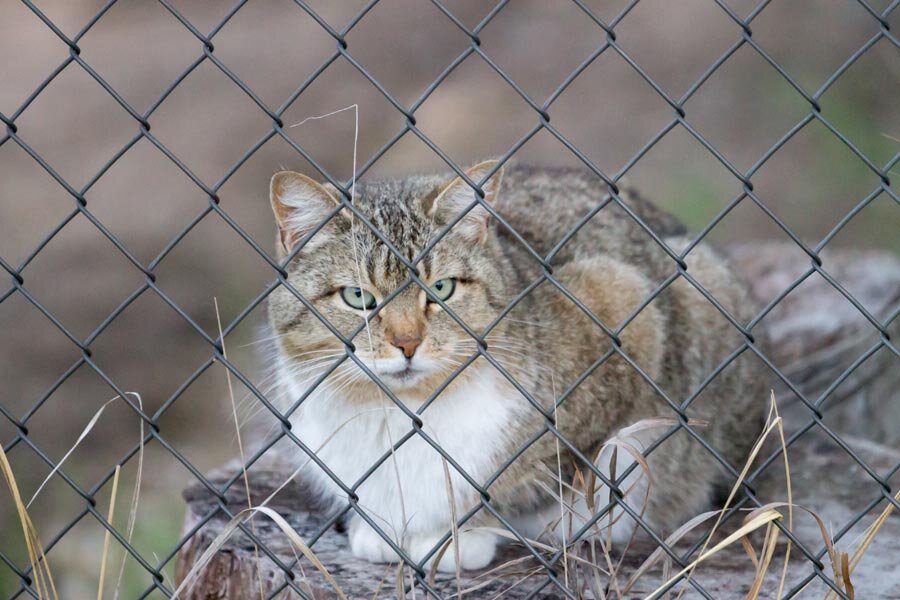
(476, 550)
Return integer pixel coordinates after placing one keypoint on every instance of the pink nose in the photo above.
(407, 344)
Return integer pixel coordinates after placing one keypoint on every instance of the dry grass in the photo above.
(585, 574)
(42, 579)
(591, 570)
(228, 530)
(109, 519)
(588, 579)
(591, 579)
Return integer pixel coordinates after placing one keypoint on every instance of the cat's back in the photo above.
(545, 204)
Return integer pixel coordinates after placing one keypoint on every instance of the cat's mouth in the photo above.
(404, 376)
(406, 373)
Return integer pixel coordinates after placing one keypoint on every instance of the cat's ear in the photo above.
(457, 196)
(299, 204)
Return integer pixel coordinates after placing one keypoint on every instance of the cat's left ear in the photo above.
(300, 204)
(458, 195)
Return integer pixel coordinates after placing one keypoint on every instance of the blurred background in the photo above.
(609, 113)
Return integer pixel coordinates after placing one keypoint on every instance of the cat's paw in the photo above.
(476, 550)
(366, 543)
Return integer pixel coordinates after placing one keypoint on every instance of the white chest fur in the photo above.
(470, 422)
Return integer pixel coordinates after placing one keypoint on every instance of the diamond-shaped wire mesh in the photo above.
(337, 70)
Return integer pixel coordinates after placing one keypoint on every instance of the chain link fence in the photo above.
(151, 282)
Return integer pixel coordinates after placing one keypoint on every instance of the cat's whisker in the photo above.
(512, 342)
(337, 351)
(345, 384)
(274, 393)
(257, 410)
(243, 403)
(344, 377)
(278, 337)
(250, 407)
(312, 375)
(317, 364)
(523, 322)
(511, 357)
(265, 339)
(317, 359)
(341, 378)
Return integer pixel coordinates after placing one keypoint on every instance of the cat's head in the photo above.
(345, 271)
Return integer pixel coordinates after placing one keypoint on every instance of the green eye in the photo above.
(358, 298)
(443, 288)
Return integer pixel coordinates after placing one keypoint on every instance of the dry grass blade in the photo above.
(845, 575)
(579, 481)
(384, 577)
(625, 439)
(840, 575)
(871, 531)
(135, 496)
(412, 584)
(516, 583)
(109, 519)
(43, 579)
(436, 560)
(759, 520)
(772, 425)
(454, 535)
(586, 487)
(538, 545)
(162, 572)
(237, 433)
(230, 528)
(398, 582)
(562, 505)
(80, 439)
(657, 554)
(762, 563)
(766, 554)
(135, 499)
(495, 573)
(790, 494)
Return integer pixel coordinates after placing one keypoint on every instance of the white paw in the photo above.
(476, 550)
(366, 543)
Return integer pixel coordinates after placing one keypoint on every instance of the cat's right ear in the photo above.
(299, 204)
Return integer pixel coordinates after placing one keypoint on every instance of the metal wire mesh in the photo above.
(18, 276)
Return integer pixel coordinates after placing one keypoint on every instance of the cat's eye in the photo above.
(358, 298)
(443, 288)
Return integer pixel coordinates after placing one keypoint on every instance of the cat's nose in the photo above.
(407, 344)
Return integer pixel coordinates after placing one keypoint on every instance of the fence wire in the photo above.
(18, 283)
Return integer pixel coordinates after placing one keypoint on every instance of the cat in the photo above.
(544, 345)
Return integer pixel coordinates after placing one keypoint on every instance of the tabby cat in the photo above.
(548, 345)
